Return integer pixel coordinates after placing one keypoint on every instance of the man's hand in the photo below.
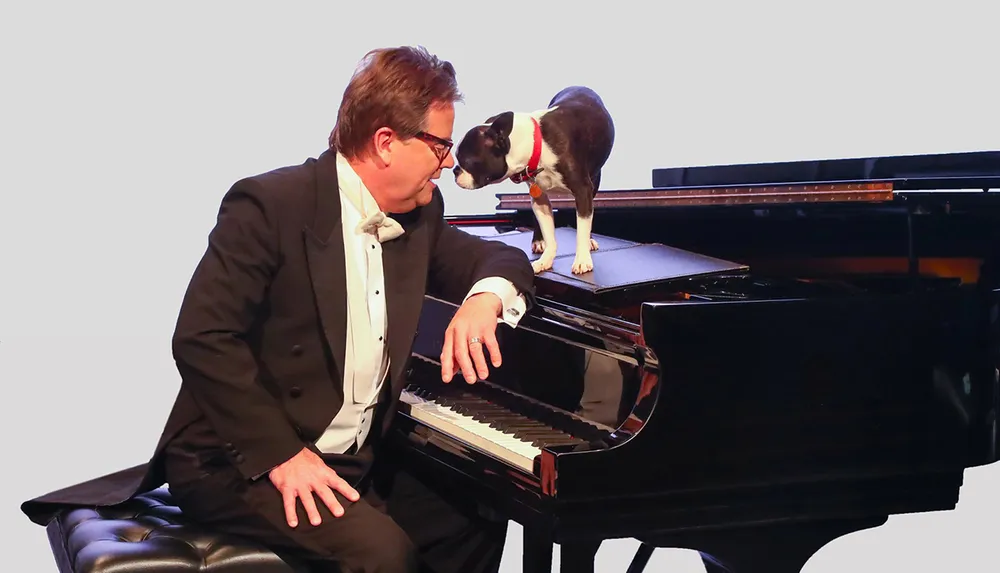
(303, 474)
(472, 327)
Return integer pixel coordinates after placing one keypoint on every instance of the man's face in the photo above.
(418, 161)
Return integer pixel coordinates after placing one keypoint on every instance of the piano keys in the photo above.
(746, 361)
(501, 423)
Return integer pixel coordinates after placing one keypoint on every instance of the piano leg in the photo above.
(574, 556)
(537, 556)
(578, 556)
(641, 558)
(779, 548)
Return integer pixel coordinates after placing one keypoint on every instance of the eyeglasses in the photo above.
(440, 146)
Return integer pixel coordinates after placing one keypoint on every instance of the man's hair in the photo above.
(394, 88)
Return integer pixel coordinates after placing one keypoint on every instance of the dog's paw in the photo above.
(593, 244)
(542, 263)
(582, 263)
(538, 246)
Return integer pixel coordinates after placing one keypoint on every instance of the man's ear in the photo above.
(380, 144)
(499, 131)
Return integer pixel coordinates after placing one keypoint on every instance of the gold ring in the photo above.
(475, 340)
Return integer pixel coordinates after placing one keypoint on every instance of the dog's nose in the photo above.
(457, 171)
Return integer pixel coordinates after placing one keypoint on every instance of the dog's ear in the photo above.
(499, 131)
(502, 123)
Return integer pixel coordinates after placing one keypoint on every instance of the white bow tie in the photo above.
(386, 228)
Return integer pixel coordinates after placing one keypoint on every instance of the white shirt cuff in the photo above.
(513, 302)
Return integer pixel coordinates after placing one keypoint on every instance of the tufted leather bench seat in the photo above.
(149, 534)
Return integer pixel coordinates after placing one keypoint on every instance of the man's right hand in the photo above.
(303, 474)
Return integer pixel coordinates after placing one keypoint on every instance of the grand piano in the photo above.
(766, 357)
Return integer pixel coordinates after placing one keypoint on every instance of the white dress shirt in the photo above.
(366, 362)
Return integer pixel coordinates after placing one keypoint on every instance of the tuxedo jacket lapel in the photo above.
(324, 246)
(404, 261)
(405, 266)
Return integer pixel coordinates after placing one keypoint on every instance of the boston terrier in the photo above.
(563, 146)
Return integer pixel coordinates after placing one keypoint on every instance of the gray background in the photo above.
(124, 123)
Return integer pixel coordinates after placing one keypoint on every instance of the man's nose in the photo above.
(449, 161)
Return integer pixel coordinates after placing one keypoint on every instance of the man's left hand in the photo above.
(473, 327)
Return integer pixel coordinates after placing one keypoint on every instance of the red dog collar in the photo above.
(528, 174)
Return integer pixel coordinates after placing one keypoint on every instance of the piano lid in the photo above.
(837, 181)
(969, 170)
(620, 265)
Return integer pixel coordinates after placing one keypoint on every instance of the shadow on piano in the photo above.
(843, 370)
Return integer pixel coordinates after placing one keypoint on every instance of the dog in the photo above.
(563, 146)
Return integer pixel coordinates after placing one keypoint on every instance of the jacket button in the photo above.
(297, 350)
(295, 391)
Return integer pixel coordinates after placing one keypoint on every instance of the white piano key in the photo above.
(506, 447)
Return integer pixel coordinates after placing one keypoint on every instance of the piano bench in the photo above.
(149, 534)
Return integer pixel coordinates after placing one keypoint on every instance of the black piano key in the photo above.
(546, 437)
(512, 414)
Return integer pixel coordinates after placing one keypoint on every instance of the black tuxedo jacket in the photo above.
(260, 337)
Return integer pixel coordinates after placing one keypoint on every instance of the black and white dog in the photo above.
(563, 146)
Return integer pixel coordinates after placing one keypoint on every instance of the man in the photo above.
(296, 329)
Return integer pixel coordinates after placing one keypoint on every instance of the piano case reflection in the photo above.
(766, 357)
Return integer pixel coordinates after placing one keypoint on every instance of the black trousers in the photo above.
(400, 525)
